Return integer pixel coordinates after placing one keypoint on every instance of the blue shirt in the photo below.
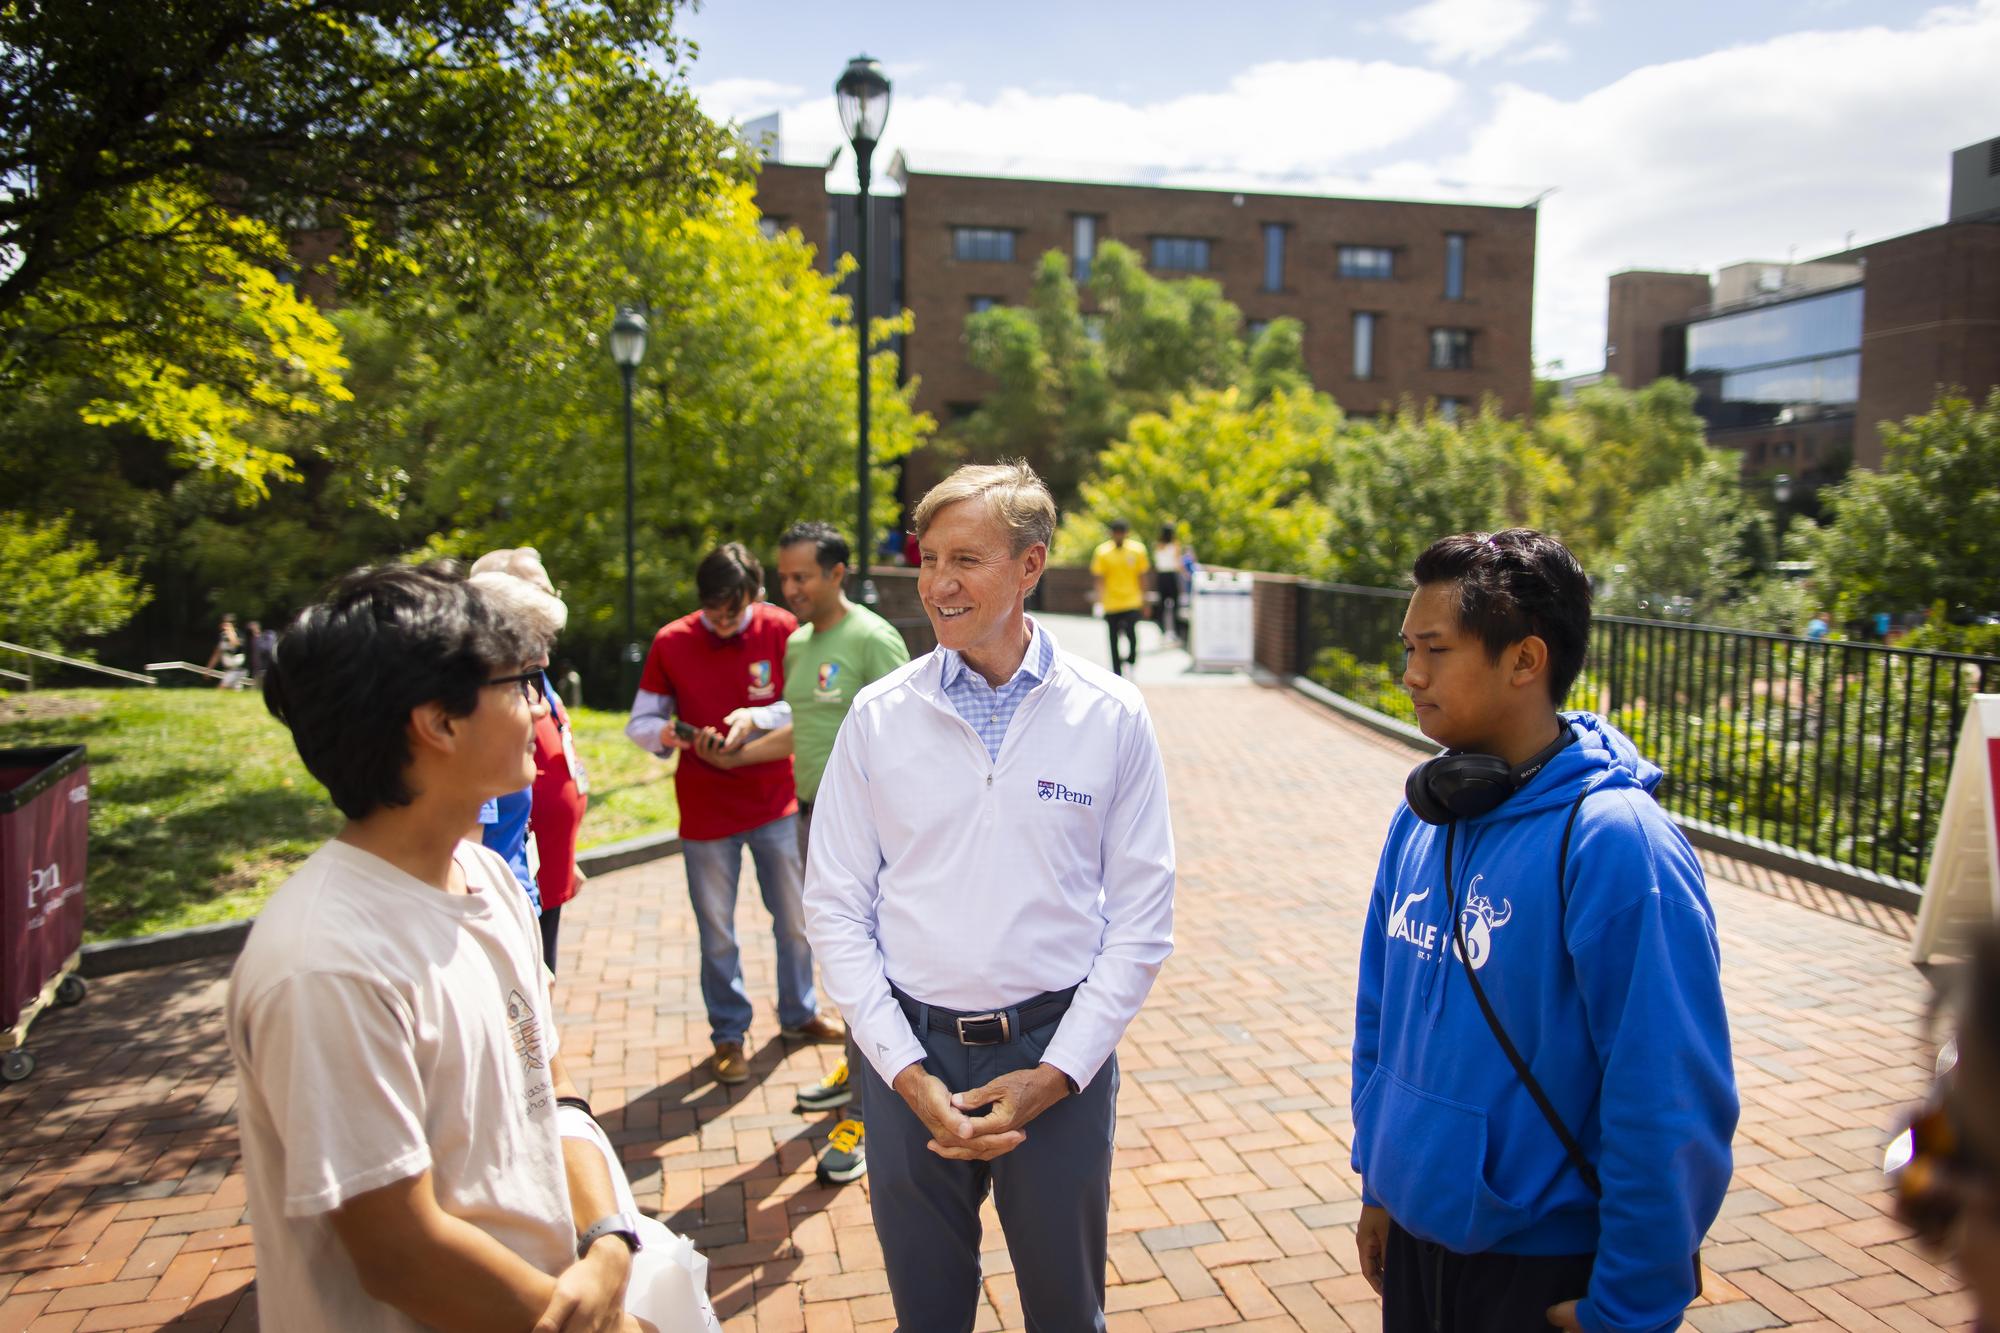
(989, 711)
(503, 826)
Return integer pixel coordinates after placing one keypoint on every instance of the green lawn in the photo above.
(199, 806)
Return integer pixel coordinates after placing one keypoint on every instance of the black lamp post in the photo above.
(628, 349)
(863, 93)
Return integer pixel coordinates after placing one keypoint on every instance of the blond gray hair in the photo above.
(539, 614)
(1012, 492)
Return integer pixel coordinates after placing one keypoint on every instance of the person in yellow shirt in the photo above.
(1118, 572)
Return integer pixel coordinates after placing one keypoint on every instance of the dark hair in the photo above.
(1512, 584)
(1167, 532)
(727, 573)
(1119, 525)
(383, 641)
(829, 547)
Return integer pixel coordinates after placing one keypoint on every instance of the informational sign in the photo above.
(1962, 891)
(1224, 626)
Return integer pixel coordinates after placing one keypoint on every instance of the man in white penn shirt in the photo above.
(990, 895)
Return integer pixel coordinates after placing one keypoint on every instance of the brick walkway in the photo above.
(1233, 1205)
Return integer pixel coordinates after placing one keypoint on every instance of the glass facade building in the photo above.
(1788, 361)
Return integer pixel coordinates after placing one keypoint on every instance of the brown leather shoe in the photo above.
(728, 1062)
(821, 1027)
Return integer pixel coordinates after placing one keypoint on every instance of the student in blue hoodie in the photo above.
(1531, 873)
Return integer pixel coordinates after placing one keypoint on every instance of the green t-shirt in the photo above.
(823, 673)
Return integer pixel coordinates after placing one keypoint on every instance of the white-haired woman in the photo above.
(552, 809)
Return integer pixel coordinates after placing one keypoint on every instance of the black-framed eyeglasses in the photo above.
(531, 683)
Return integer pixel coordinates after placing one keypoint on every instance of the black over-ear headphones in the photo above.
(1456, 786)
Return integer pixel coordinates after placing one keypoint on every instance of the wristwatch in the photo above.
(625, 1226)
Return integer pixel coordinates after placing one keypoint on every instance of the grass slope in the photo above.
(199, 806)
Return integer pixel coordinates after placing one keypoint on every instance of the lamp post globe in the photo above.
(862, 91)
(628, 349)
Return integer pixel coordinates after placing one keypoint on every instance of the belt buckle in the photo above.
(966, 1039)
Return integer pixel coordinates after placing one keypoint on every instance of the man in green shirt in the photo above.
(838, 648)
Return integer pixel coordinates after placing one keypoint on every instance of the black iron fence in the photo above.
(1840, 750)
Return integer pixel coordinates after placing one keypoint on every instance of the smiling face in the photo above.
(496, 749)
(974, 587)
(1462, 696)
(810, 591)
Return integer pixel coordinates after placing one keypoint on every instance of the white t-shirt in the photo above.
(381, 1027)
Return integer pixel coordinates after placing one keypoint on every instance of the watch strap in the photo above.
(625, 1226)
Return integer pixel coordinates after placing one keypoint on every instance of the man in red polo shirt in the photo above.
(726, 656)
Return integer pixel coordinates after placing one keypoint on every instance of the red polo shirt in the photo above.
(710, 677)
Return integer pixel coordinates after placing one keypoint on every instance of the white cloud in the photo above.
(1273, 121)
(1583, 11)
(1739, 154)
(745, 99)
(1539, 54)
(1468, 30)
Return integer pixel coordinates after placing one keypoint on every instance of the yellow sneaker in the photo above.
(833, 1091)
(845, 1158)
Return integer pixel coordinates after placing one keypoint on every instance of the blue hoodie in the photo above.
(1616, 1006)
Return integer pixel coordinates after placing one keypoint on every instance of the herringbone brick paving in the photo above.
(121, 1205)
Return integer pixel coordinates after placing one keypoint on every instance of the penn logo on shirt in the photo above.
(828, 689)
(760, 679)
(1055, 791)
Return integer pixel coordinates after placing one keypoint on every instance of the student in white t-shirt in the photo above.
(390, 1016)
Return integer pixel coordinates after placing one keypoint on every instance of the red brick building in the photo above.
(1799, 364)
(1398, 300)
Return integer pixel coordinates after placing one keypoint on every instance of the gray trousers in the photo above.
(1053, 1194)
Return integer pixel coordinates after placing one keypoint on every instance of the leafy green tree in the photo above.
(744, 410)
(160, 162)
(1237, 479)
(53, 588)
(1401, 484)
(1689, 550)
(1616, 445)
(1162, 338)
(1278, 360)
(1926, 527)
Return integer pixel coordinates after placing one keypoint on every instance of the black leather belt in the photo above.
(990, 1028)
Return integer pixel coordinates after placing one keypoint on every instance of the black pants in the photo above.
(551, 922)
(1123, 624)
(1429, 1289)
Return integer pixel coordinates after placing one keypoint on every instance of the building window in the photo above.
(1082, 245)
(1375, 262)
(1186, 254)
(981, 304)
(1449, 408)
(983, 244)
(1093, 327)
(1254, 330)
(1454, 266)
(772, 227)
(1364, 345)
(1274, 256)
(1451, 349)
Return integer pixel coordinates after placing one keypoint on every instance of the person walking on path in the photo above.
(837, 649)
(1543, 1097)
(1118, 576)
(228, 655)
(991, 897)
(389, 1017)
(1167, 579)
(728, 655)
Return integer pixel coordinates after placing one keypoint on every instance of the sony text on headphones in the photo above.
(1456, 786)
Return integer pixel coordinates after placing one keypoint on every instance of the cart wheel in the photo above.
(16, 1066)
(71, 990)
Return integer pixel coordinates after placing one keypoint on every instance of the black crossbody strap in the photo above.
(1542, 1102)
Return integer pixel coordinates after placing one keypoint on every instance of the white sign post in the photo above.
(1962, 890)
(1224, 627)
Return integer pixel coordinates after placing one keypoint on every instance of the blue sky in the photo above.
(1683, 136)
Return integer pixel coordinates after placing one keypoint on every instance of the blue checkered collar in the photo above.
(1034, 668)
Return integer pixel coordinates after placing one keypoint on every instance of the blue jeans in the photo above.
(712, 869)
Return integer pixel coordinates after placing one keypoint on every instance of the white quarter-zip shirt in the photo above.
(976, 883)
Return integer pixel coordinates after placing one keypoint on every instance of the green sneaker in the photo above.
(833, 1091)
(845, 1158)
